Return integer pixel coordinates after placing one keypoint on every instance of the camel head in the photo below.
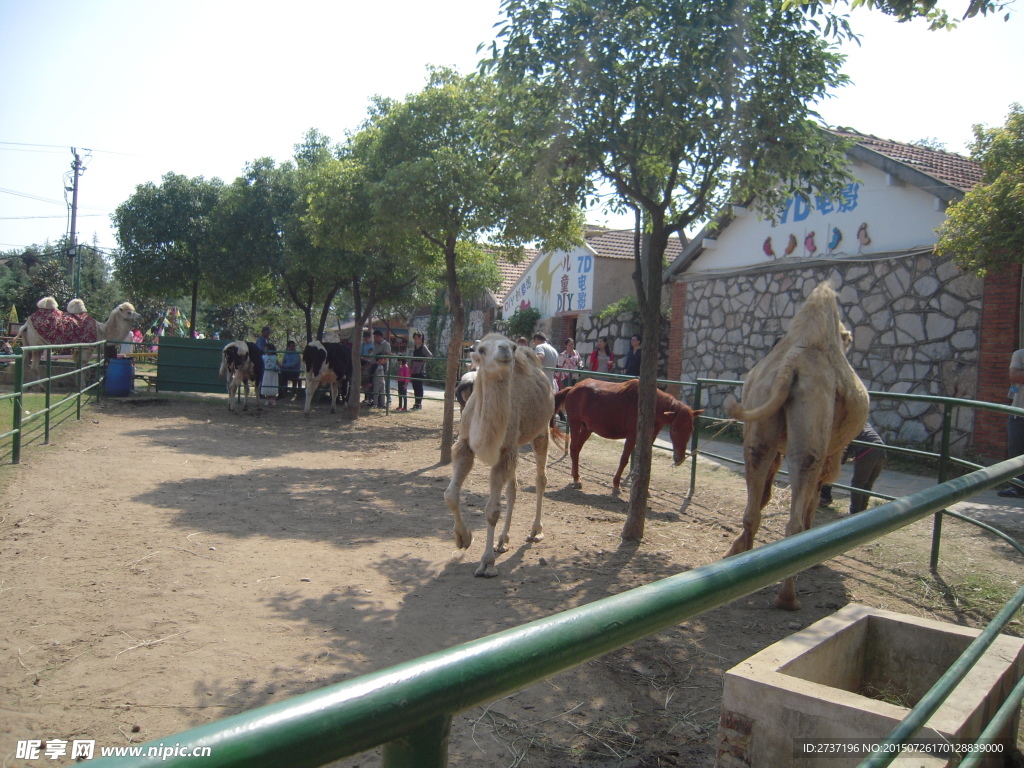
(494, 355)
(680, 430)
(125, 313)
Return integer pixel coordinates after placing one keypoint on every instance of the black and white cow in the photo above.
(242, 362)
(326, 363)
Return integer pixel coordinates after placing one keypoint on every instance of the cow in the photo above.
(326, 363)
(242, 362)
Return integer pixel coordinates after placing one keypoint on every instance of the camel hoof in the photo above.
(463, 539)
(535, 537)
(486, 571)
(501, 546)
(788, 604)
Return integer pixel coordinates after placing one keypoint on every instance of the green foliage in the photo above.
(905, 10)
(625, 305)
(522, 322)
(985, 230)
(164, 233)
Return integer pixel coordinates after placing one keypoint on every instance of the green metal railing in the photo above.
(408, 708)
(19, 420)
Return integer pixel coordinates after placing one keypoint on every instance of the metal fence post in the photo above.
(17, 410)
(697, 394)
(425, 747)
(46, 407)
(947, 429)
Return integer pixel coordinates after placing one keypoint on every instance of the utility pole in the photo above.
(76, 171)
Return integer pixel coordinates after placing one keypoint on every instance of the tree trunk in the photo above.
(355, 387)
(651, 256)
(452, 372)
(195, 308)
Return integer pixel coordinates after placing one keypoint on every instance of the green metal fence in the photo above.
(78, 373)
(408, 708)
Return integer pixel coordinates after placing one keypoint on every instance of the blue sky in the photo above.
(202, 87)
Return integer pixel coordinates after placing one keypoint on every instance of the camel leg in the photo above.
(627, 450)
(502, 473)
(511, 489)
(540, 451)
(580, 435)
(805, 502)
(462, 462)
(759, 475)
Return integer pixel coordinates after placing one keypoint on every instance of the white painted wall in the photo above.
(893, 216)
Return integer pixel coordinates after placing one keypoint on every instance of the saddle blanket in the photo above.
(58, 327)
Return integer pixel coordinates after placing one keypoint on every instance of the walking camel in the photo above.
(511, 405)
(803, 400)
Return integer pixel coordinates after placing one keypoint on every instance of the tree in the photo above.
(164, 233)
(449, 166)
(905, 10)
(378, 265)
(681, 107)
(985, 230)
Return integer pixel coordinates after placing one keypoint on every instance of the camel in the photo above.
(511, 405)
(804, 400)
(48, 325)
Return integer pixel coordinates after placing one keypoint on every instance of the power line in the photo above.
(52, 216)
(32, 197)
(64, 146)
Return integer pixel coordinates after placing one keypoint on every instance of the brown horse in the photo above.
(609, 409)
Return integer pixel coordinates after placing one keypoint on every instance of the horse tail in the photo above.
(560, 396)
(777, 397)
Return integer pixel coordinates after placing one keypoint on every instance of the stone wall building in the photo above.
(920, 325)
(570, 288)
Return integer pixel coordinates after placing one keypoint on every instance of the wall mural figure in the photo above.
(836, 239)
(862, 236)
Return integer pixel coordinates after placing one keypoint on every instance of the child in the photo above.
(268, 387)
(379, 395)
(404, 377)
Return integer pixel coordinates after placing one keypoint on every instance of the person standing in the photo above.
(601, 359)
(263, 339)
(1015, 424)
(868, 462)
(548, 356)
(418, 368)
(269, 385)
(570, 360)
(290, 370)
(633, 356)
(404, 374)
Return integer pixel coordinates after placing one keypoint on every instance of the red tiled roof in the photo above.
(618, 244)
(510, 273)
(953, 170)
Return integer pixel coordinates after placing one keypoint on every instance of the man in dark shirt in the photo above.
(633, 356)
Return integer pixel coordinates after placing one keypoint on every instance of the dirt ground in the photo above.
(164, 564)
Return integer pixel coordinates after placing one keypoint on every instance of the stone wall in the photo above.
(916, 323)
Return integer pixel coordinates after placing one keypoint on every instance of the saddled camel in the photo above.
(48, 325)
(805, 401)
(511, 405)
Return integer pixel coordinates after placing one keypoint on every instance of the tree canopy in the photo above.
(906, 10)
(164, 233)
(985, 230)
(681, 106)
(448, 166)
